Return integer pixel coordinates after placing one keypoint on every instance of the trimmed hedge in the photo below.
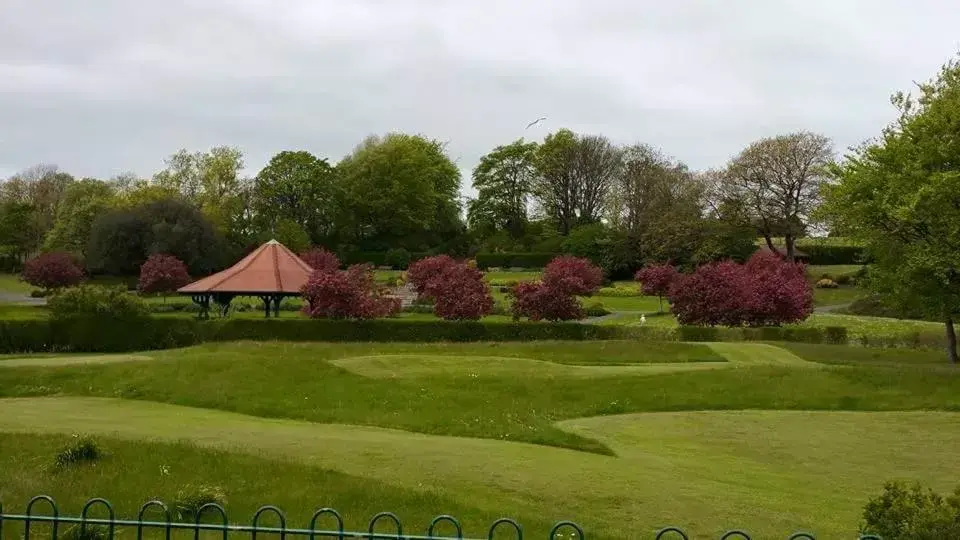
(821, 254)
(113, 335)
(514, 260)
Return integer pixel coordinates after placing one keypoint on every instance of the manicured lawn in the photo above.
(836, 297)
(512, 276)
(710, 436)
(645, 304)
(834, 270)
(11, 283)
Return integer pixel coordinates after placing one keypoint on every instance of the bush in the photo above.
(94, 301)
(162, 274)
(460, 293)
(765, 291)
(423, 273)
(826, 283)
(539, 302)
(83, 531)
(514, 260)
(191, 498)
(399, 259)
(52, 270)
(37, 293)
(81, 450)
(617, 292)
(912, 513)
(319, 258)
(596, 309)
(656, 279)
(349, 294)
(820, 254)
(572, 275)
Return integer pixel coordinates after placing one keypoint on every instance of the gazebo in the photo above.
(271, 272)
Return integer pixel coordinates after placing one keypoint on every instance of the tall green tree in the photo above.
(574, 175)
(82, 202)
(208, 179)
(780, 180)
(503, 180)
(42, 187)
(296, 186)
(398, 190)
(900, 194)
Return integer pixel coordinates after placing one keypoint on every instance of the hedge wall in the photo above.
(514, 260)
(821, 254)
(109, 335)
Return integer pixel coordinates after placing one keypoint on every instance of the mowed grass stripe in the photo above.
(68, 360)
(768, 471)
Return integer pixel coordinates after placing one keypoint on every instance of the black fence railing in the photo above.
(211, 521)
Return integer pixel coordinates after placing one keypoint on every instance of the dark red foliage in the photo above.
(52, 270)
(162, 273)
(320, 259)
(349, 294)
(713, 295)
(780, 291)
(572, 275)
(539, 302)
(765, 291)
(460, 293)
(655, 279)
(424, 272)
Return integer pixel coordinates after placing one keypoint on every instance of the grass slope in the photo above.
(769, 472)
(298, 381)
(134, 471)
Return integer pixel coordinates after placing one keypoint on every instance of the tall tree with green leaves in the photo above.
(900, 194)
(503, 180)
(780, 179)
(81, 204)
(574, 175)
(210, 180)
(297, 186)
(398, 190)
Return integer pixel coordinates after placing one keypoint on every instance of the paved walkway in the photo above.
(22, 299)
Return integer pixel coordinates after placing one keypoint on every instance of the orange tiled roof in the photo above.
(271, 268)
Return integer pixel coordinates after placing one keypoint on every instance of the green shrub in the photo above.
(398, 259)
(844, 279)
(38, 293)
(699, 333)
(96, 301)
(822, 254)
(80, 451)
(596, 310)
(912, 513)
(827, 283)
(503, 282)
(191, 498)
(514, 260)
(618, 292)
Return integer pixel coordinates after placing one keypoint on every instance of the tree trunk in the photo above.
(790, 243)
(770, 246)
(951, 340)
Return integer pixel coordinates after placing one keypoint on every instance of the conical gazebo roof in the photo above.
(269, 269)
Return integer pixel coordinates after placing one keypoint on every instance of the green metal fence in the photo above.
(326, 523)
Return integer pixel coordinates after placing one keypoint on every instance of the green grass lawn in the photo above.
(11, 283)
(835, 270)
(837, 297)
(772, 438)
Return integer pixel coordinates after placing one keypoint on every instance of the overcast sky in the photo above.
(100, 87)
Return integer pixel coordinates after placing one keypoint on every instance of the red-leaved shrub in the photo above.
(781, 293)
(423, 273)
(460, 293)
(572, 275)
(320, 259)
(162, 273)
(655, 279)
(349, 294)
(52, 270)
(767, 290)
(555, 297)
(539, 302)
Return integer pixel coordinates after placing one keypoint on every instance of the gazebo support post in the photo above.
(202, 300)
(223, 302)
(266, 305)
(276, 305)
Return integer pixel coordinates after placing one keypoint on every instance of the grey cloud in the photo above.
(104, 86)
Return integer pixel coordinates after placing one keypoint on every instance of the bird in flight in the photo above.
(535, 122)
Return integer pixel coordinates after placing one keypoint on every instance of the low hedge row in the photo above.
(108, 335)
(513, 260)
(821, 254)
